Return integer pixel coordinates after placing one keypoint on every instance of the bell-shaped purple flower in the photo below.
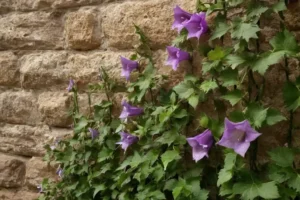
(201, 144)
(127, 67)
(129, 111)
(94, 133)
(40, 188)
(60, 172)
(176, 56)
(180, 18)
(238, 136)
(197, 25)
(71, 85)
(127, 140)
(56, 142)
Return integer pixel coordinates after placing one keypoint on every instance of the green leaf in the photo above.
(279, 6)
(193, 101)
(250, 191)
(216, 54)
(242, 30)
(226, 173)
(235, 2)
(208, 85)
(237, 116)
(256, 9)
(83, 122)
(98, 188)
(285, 41)
(168, 157)
(233, 96)
(184, 90)
(295, 183)
(256, 114)
(291, 96)
(262, 63)
(182, 37)
(207, 66)
(229, 77)
(221, 29)
(273, 117)
(282, 156)
(235, 60)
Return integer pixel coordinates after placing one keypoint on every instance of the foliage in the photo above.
(159, 165)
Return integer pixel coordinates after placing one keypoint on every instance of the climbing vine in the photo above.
(164, 144)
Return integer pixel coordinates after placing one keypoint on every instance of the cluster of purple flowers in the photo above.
(236, 136)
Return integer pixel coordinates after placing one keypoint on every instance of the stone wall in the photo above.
(43, 43)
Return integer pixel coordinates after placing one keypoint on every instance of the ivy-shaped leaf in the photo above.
(256, 114)
(233, 96)
(229, 77)
(208, 85)
(285, 41)
(291, 96)
(273, 117)
(282, 156)
(217, 54)
(221, 29)
(227, 172)
(168, 157)
(243, 30)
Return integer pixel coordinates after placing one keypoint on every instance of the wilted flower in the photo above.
(129, 111)
(181, 17)
(71, 85)
(197, 25)
(40, 188)
(94, 133)
(127, 67)
(60, 172)
(238, 136)
(127, 140)
(176, 56)
(201, 144)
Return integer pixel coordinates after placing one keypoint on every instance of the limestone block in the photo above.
(44, 70)
(82, 30)
(52, 70)
(12, 171)
(36, 171)
(9, 70)
(33, 30)
(15, 194)
(19, 107)
(54, 107)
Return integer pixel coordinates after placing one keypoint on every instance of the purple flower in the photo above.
(197, 25)
(60, 172)
(40, 188)
(238, 136)
(71, 85)
(56, 142)
(129, 111)
(127, 67)
(201, 144)
(181, 17)
(94, 133)
(127, 140)
(176, 56)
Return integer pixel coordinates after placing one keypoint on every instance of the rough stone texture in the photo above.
(44, 43)
(36, 30)
(9, 69)
(82, 30)
(54, 107)
(19, 108)
(142, 13)
(36, 170)
(52, 70)
(12, 171)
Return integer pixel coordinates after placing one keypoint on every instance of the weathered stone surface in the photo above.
(154, 17)
(9, 70)
(54, 107)
(292, 17)
(14, 194)
(34, 30)
(47, 69)
(52, 70)
(19, 108)
(26, 140)
(36, 170)
(12, 171)
(82, 30)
